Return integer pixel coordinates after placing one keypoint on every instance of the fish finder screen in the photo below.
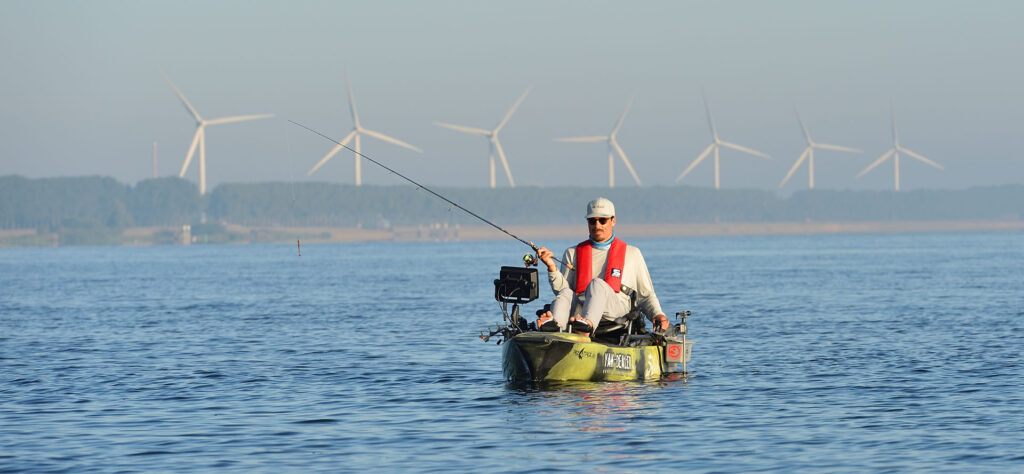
(516, 285)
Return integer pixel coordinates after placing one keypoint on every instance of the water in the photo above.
(824, 353)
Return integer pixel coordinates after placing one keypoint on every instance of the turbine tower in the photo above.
(492, 137)
(895, 153)
(613, 147)
(715, 145)
(357, 130)
(808, 154)
(199, 138)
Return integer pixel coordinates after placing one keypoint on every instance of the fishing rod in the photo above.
(449, 201)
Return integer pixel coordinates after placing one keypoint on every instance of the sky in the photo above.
(81, 92)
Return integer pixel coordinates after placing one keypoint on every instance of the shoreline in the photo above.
(238, 234)
(756, 228)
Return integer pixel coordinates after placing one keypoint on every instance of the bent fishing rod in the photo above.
(431, 191)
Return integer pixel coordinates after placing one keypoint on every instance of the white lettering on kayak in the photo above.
(618, 361)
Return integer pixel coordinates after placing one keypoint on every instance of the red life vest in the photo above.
(613, 266)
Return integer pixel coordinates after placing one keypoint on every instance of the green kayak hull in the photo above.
(557, 356)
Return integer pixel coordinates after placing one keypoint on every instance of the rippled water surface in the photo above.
(869, 352)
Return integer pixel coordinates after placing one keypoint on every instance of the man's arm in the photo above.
(558, 278)
(646, 298)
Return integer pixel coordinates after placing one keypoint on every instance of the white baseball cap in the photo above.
(600, 207)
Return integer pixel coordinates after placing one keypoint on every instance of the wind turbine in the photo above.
(357, 129)
(808, 154)
(895, 153)
(199, 138)
(492, 137)
(613, 146)
(715, 145)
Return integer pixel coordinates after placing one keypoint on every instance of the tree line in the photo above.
(102, 203)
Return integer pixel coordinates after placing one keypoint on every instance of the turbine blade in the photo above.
(504, 162)
(892, 117)
(625, 160)
(181, 96)
(743, 149)
(338, 147)
(464, 129)
(803, 156)
(351, 102)
(826, 146)
(240, 118)
(877, 162)
(191, 151)
(622, 117)
(703, 155)
(512, 110)
(921, 158)
(393, 141)
(582, 139)
(711, 120)
(807, 135)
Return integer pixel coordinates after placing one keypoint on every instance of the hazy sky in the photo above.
(81, 94)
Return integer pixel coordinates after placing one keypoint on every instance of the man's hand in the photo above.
(660, 321)
(546, 256)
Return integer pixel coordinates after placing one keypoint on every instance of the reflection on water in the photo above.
(592, 406)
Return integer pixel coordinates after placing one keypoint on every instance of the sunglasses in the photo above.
(596, 220)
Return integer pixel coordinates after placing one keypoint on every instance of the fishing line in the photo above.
(291, 164)
(449, 201)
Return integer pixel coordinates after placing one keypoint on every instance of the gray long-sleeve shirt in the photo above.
(634, 275)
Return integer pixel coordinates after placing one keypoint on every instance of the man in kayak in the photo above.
(605, 271)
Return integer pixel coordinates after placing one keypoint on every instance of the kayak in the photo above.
(561, 356)
(627, 351)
